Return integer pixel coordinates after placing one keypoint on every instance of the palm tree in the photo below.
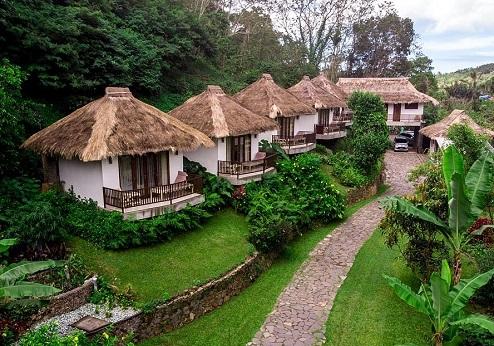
(468, 196)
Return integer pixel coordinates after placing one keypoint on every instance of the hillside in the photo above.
(485, 72)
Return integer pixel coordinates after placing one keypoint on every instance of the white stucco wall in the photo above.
(305, 123)
(110, 174)
(208, 157)
(176, 162)
(85, 178)
(267, 135)
(405, 112)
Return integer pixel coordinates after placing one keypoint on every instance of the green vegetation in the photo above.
(236, 322)
(444, 303)
(187, 260)
(366, 311)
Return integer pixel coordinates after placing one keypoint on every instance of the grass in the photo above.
(236, 322)
(186, 260)
(366, 310)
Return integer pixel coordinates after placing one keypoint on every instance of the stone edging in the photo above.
(195, 302)
(358, 194)
(66, 301)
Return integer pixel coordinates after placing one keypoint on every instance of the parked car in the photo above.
(410, 135)
(401, 143)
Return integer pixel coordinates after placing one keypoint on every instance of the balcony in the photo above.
(302, 142)
(155, 200)
(343, 118)
(240, 173)
(333, 131)
(405, 120)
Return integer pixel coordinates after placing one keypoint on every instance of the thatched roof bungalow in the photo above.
(405, 103)
(120, 152)
(438, 132)
(324, 83)
(295, 118)
(236, 131)
(330, 118)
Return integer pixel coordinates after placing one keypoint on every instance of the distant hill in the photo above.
(485, 72)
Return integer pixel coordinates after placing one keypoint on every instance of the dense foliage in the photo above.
(470, 144)
(287, 203)
(369, 136)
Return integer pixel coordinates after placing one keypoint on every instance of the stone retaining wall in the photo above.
(358, 194)
(195, 302)
(66, 301)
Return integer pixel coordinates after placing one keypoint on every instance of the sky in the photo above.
(454, 33)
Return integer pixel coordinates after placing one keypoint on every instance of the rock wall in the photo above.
(195, 302)
(358, 194)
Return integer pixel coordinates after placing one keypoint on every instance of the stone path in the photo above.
(300, 314)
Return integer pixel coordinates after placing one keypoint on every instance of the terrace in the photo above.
(331, 131)
(300, 143)
(239, 173)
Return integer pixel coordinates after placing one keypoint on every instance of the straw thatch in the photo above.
(219, 115)
(116, 124)
(266, 98)
(324, 83)
(315, 96)
(440, 129)
(391, 90)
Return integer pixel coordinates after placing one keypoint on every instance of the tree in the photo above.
(468, 196)
(443, 303)
(422, 76)
(381, 45)
(470, 144)
(369, 135)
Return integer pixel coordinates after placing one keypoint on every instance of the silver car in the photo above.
(401, 143)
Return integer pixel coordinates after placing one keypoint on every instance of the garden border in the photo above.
(358, 194)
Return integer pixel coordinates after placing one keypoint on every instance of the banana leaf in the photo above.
(478, 320)
(406, 294)
(6, 244)
(460, 216)
(27, 289)
(446, 272)
(402, 205)
(440, 297)
(480, 182)
(17, 271)
(452, 162)
(464, 290)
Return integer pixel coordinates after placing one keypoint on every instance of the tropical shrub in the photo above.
(344, 168)
(484, 258)
(470, 144)
(444, 303)
(285, 204)
(370, 135)
(420, 242)
(468, 196)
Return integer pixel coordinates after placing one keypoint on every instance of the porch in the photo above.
(404, 120)
(302, 142)
(240, 173)
(333, 131)
(154, 200)
(343, 118)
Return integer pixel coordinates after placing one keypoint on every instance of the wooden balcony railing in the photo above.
(293, 141)
(156, 194)
(327, 129)
(413, 118)
(241, 168)
(344, 117)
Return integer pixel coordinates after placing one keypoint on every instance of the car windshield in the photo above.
(406, 134)
(401, 140)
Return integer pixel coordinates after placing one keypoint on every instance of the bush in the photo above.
(484, 257)
(370, 135)
(285, 204)
(469, 143)
(344, 168)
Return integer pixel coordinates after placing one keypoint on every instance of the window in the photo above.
(411, 106)
(238, 148)
(287, 126)
(142, 171)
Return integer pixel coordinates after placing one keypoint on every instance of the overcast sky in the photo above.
(454, 33)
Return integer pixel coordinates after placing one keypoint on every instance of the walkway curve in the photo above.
(300, 314)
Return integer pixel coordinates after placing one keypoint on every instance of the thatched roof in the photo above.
(440, 129)
(116, 124)
(323, 82)
(315, 96)
(266, 98)
(219, 115)
(391, 90)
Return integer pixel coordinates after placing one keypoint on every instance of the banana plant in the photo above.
(444, 304)
(468, 196)
(12, 284)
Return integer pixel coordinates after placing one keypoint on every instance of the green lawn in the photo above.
(175, 265)
(366, 310)
(236, 322)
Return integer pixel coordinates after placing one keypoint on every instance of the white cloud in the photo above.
(467, 43)
(450, 15)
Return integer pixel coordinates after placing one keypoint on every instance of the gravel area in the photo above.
(100, 311)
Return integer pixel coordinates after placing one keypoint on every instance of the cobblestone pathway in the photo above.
(301, 311)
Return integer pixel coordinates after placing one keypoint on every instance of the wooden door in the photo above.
(397, 112)
(287, 126)
(238, 148)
